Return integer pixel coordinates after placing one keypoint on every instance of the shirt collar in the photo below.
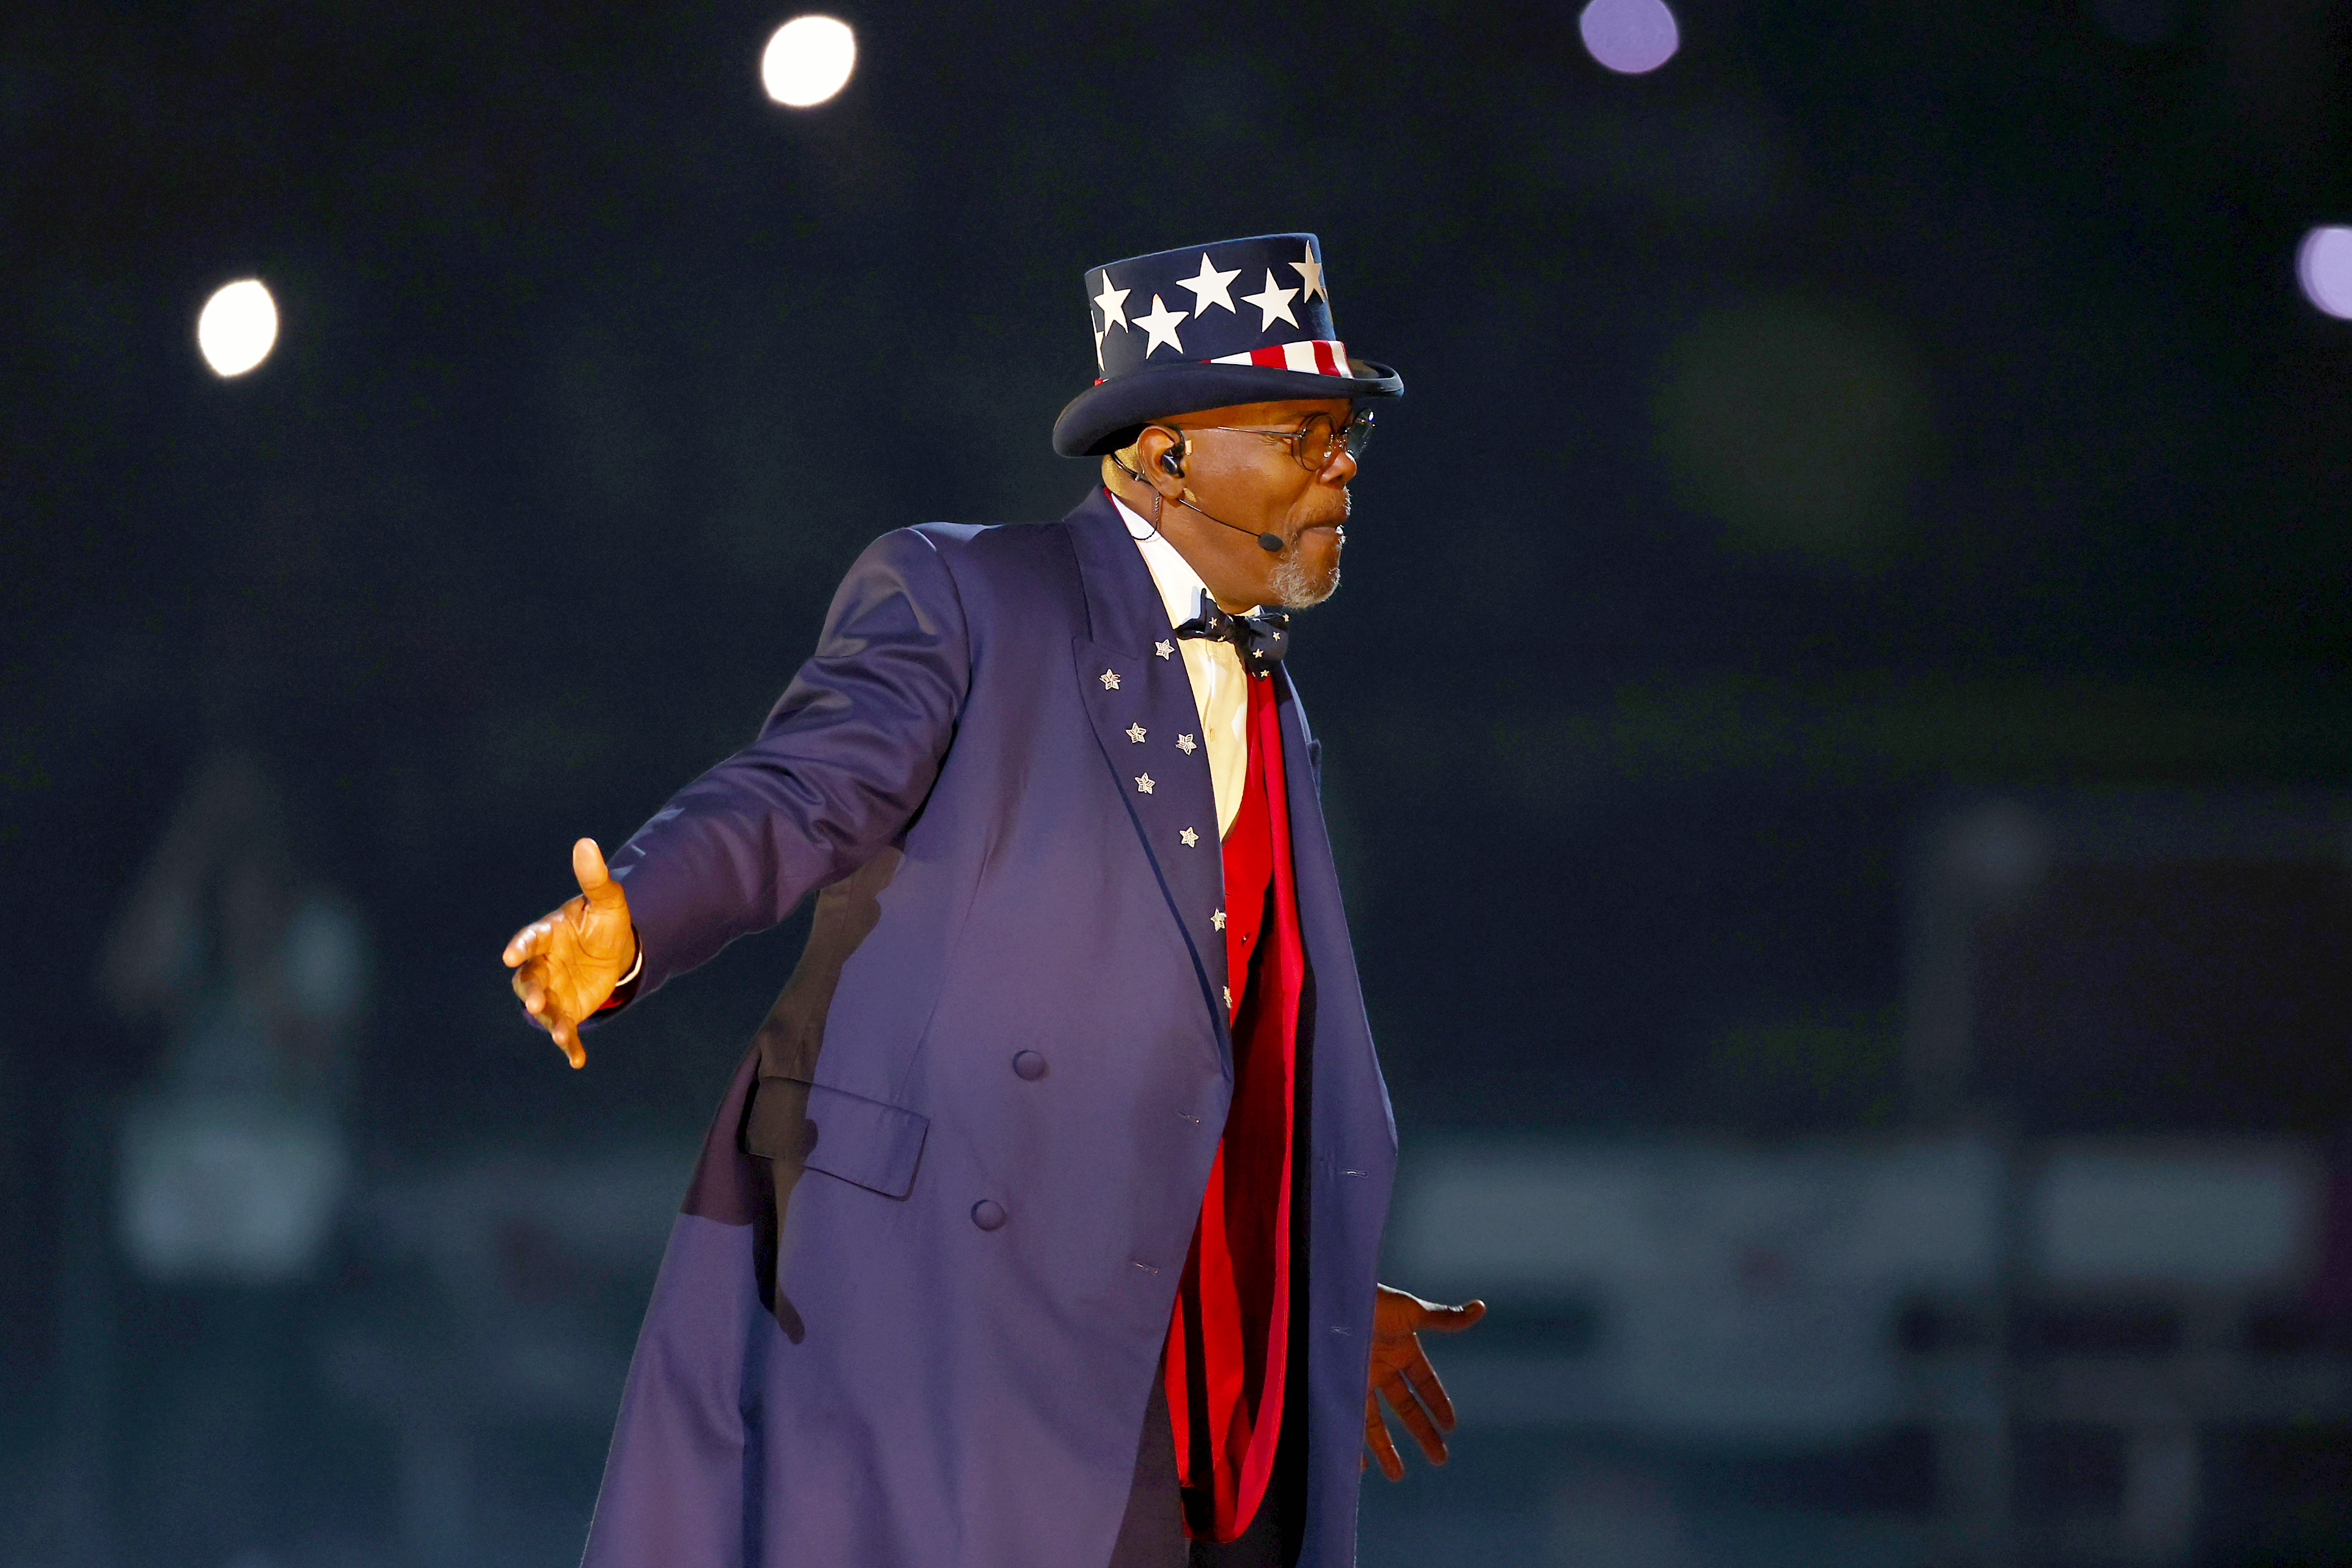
(1180, 586)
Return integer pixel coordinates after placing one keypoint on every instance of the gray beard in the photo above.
(1295, 587)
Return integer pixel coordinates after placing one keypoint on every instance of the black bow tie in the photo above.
(1261, 639)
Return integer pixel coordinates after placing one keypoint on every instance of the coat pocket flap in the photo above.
(861, 1140)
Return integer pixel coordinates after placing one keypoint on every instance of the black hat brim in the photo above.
(1162, 391)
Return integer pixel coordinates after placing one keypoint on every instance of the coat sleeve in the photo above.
(845, 758)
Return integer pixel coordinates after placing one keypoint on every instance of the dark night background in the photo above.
(1874, 406)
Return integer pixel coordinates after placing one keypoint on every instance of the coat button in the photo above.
(1029, 1064)
(988, 1214)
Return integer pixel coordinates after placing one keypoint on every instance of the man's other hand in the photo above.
(1403, 1374)
(567, 962)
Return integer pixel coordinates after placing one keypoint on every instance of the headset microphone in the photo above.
(1272, 544)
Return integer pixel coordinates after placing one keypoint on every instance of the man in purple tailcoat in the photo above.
(916, 1311)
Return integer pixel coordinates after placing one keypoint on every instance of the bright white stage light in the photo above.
(808, 60)
(2324, 264)
(1630, 37)
(238, 327)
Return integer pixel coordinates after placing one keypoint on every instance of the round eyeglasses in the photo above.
(1316, 441)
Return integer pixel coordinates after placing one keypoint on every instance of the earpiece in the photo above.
(1171, 462)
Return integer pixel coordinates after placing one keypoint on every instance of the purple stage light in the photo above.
(1630, 37)
(2323, 265)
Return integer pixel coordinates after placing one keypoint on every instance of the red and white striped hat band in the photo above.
(1317, 356)
(1323, 356)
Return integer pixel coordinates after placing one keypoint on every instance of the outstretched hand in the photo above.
(567, 962)
(1402, 1373)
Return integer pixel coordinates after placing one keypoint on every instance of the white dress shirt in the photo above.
(1220, 686)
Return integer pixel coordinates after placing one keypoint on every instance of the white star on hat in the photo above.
(1143, 783)
(1160, 327)
(1210, 287)
(1310, 274)
(1271, 302)
(1112, 302)
(1190, 837)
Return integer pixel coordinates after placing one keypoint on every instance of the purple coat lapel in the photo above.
(1139, 699)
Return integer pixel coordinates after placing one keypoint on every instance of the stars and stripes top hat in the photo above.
(1240, 321)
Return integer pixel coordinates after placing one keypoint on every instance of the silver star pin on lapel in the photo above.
(1135, 734)
(1143, 784)
(1163, 649)
(1190, 837)
(1109, 678)
(1184, 744)
(1218, 919)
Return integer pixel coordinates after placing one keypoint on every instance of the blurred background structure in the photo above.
(1857, 900)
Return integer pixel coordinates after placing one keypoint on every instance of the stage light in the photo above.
(238, 327)
(1630, 37)
(808, 60)
(2323, 265)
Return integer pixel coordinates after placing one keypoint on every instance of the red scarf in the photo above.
(1229, 1340)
